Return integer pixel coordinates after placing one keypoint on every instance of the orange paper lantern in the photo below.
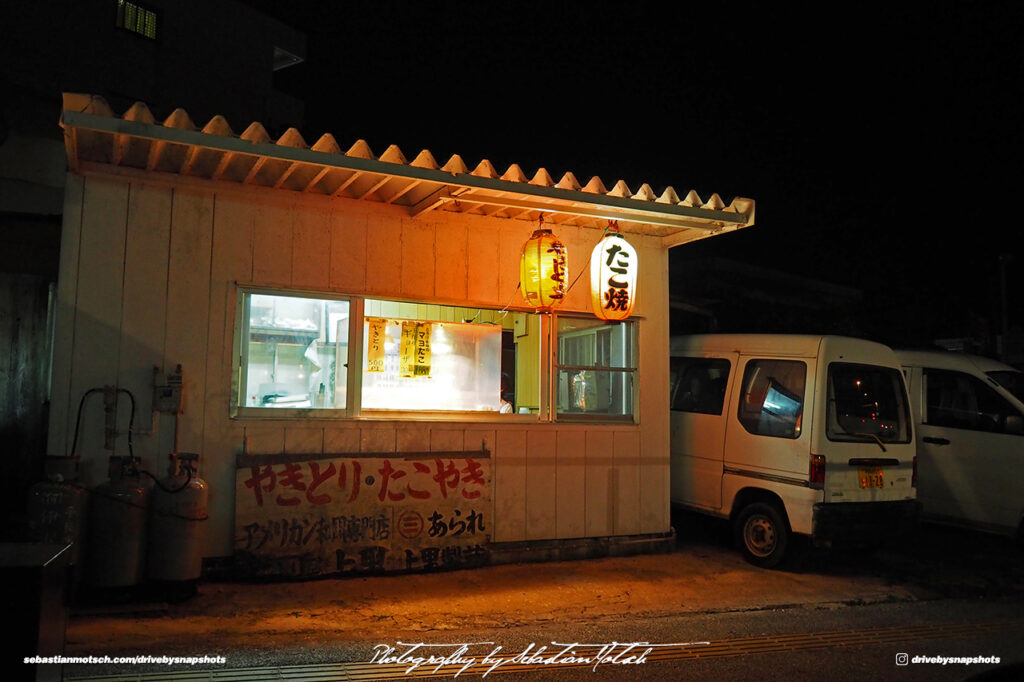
(543, 269)
(613, 270)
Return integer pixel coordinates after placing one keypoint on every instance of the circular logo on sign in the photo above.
(410, 524)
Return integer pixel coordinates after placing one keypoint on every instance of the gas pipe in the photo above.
(177, 522)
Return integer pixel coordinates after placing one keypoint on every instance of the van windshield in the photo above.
(866, 403)
(1011, 380)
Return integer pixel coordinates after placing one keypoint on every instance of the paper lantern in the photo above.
(543, 269)
(613, 270)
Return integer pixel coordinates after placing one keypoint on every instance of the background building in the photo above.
(211, 56)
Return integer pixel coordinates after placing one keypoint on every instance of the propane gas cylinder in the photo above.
(57, 509)
(177, 522)
(117, 529)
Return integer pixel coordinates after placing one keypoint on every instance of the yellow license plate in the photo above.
(871, 478)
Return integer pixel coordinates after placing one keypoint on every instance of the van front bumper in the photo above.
(863, 522)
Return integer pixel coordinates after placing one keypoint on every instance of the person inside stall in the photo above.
(506, 406)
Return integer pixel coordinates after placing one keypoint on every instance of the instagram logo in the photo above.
(901, 659)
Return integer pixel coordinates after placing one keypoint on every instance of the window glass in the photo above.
(1011, 380)
(961, 401)
(596, 367)
(866, 402)
(773, 397)
(294, 352)
(698, 384)
(446, 358)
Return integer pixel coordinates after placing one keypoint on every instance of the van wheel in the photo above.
(762, 534)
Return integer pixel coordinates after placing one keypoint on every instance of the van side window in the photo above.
(698, 384)
(772, 401)
(960, 401)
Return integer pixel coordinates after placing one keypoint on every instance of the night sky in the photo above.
(881, 143)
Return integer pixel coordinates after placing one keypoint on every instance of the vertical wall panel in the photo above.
(188, 304)
(143, 318)
(412, 438)
(348, 249)
(383, 255)
(479, 439)
(450, 272)
(342, 440)
(653, 389)
(418, 258)
(97, 332)
(541, 486)
(311, 248)
(570, 482)
(448, 440)
(601, 484)
(482, 264)
(579, 243)
(626, 447)
(233, 219)
(377, 439)
(231, 262)
(264, 439)
(272, 244)
(303, 440)
(511, 237)
(509, 471)
(62, 405)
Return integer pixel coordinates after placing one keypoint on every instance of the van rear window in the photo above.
(866, 403)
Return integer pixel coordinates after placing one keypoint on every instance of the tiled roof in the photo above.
(94, 135)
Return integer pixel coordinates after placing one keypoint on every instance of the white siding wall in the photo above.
(148, 278)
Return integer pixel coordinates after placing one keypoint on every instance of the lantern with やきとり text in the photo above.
(543, 270)
(613, 270)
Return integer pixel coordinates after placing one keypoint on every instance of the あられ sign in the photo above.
(306, 516)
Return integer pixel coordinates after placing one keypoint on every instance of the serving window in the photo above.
(302, 355)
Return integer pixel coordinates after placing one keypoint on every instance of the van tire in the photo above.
(762, 534)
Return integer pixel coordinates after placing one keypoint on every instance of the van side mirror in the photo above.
(1014, 425)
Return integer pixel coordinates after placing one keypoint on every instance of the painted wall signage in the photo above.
(297, 516)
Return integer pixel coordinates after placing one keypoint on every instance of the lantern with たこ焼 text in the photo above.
(613, 270)
(543, 269)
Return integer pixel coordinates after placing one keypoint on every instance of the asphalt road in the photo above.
(842, 614)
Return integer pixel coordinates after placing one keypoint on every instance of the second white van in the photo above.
(791, 434)
(970, 443)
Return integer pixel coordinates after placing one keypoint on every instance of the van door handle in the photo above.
(936, 441)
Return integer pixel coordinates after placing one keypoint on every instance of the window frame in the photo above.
(632, 372)
(548, 369)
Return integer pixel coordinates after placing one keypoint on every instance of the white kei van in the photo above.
(970, 444)
(787, 434)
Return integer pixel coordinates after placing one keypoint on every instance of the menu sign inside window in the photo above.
(375, 345)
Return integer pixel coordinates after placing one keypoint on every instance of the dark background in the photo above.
(881, 143)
